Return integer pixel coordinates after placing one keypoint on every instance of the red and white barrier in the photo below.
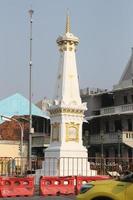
(56, 185)
(16, 187)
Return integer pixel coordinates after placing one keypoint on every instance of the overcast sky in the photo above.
(105, 29)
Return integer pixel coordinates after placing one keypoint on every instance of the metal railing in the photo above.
(20, 167)
(111, 165)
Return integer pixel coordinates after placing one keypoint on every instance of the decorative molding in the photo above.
(66, 111)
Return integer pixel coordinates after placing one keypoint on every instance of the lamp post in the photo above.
(22, 132)
(30, 90)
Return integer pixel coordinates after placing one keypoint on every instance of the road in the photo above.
(42, 198)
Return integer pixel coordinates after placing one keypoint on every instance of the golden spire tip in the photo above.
(68, 22)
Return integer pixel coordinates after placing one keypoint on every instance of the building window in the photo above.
(125, 99)
(118, 126)
(129, 122)
(132, 98)
(107, 126)
(96, 126)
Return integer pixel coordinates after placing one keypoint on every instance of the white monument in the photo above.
(66, 154)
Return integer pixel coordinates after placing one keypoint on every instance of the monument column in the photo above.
(67, 113)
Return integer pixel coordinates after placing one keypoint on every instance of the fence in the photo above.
(20, 166)
(108, 165)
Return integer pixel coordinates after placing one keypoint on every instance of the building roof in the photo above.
(18, 105)
(128, 72)
(126, 80)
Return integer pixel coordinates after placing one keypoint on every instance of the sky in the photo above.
(105, 29)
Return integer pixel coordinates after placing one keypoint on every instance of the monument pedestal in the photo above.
(61, 161)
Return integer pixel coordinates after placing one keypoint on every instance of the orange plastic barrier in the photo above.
(80, 180)
(16, 187)
(56, 185)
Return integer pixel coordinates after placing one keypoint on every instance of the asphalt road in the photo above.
(42, 198)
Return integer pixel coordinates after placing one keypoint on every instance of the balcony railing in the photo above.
(127, 137)
(40, 140)
(107, 138)
(110, 138)
(117, 109)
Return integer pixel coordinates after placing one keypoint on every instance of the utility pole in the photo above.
(30, 91)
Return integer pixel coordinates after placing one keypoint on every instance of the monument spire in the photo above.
(68, 28)
(67, 87)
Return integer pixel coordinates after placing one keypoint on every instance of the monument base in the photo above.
(61, 161)
(64, 161)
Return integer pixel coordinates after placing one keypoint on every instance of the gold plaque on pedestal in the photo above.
(72, 132)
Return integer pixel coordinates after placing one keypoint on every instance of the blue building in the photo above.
(18, 106)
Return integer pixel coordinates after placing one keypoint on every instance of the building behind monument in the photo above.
(109, 127)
